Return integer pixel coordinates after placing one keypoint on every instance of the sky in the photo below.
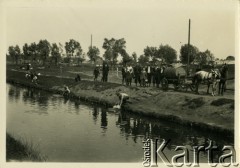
(140, 22)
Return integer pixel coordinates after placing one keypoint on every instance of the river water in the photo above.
(74, 131)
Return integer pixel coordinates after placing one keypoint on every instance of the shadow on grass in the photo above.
(222, 101)
(194, 103)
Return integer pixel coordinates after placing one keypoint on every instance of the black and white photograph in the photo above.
(145, 82)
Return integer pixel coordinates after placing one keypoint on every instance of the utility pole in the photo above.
(91, 41)
(189, 28)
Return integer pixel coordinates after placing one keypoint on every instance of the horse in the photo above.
(128, 78)
(211, 78)
(223, 79)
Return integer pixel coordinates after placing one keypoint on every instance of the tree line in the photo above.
(43, 52)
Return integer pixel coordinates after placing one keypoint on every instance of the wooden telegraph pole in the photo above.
(189, 28)
(91, 41)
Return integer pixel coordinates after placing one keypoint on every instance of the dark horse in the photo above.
(223, 79)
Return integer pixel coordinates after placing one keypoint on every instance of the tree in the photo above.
(167, 53)
(55, 52)
(71, 47)
(44, 48)
(93, 53)
(184, 53)
(113, 48)
(143, 59)
(150, 51)
(209, 57)
(81, 57)
(17, 53)
(201, 59)
(108, 55)
(33, 51)
(120, 46)
(134, 56)
(11, 51)
(26, 52)
(14, 53)
(61, 48)
(126, 58)
(230, 58)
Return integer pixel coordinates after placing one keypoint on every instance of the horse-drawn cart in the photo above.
(177, 77)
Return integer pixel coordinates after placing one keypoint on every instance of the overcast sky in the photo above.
(140, 22)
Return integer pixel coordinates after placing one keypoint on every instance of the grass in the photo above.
(86, 72)
(22, 150)
(56, 71)
(50, 81)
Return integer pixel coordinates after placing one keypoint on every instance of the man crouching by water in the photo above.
(66, 91)
(123, 97)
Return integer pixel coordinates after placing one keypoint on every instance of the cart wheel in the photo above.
(164, 84)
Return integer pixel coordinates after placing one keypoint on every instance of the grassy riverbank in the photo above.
(185, 108)
(21, 150)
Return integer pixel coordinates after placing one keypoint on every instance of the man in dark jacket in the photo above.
(154, 75)
(159, 74)
(124, 70)
(149, 74)
(96, 73)
(137, 72)
(105, 70)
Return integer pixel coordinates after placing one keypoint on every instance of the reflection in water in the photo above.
(95, 113)
(33, 96)
(69, 129)
(104, 121)
(14, 93)
(179, 136)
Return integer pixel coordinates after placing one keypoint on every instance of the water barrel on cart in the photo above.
(170, 73)
(181, 71)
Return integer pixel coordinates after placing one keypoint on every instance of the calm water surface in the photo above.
(74, 131)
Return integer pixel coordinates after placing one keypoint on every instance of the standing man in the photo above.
(124, 70)
(154, 75)
(137, 73)
(105, 70)
(149, 74)
(96, 73)
(129, 68)
(143, 77)
(158, 76)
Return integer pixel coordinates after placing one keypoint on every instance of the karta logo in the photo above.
(154, 152)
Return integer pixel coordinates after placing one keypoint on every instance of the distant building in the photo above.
(219, 62)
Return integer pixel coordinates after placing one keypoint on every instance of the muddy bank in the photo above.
(203, 111)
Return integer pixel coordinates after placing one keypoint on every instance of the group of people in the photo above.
(143, 76)
(105, 70)
(31, 74)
